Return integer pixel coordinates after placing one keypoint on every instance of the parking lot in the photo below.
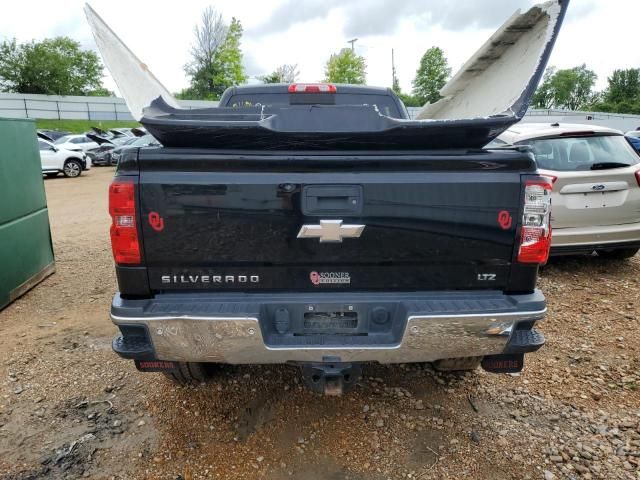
(70, 408)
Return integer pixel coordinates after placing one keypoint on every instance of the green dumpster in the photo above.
(26, 252)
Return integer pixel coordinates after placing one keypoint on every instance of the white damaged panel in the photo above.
(495, 78)
(138, 86)
(496, 83)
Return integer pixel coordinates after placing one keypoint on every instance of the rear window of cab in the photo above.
(385, 104)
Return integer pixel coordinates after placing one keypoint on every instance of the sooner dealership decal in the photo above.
(322, 278)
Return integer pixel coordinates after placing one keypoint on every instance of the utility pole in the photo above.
(352, 42)
(394, 80)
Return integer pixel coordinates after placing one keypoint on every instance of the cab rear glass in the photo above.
(385, 104)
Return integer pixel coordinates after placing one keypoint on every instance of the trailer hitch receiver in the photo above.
(331, 378)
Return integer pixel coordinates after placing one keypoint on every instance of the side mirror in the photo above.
(55, 149)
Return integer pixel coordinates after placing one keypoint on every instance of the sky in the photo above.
(600, 33)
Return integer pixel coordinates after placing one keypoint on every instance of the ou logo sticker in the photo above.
(156, 221)
(315, 278)
(505, 219)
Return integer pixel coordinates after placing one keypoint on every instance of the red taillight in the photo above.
(535, 235)
(124, 232)
(638, 177)
(312, 88)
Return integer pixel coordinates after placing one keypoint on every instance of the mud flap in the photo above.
(510, 363)
(155, 366)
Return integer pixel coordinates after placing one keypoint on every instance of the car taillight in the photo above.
(124, 233)
(312, 88)
(638, 177)
(535, 235)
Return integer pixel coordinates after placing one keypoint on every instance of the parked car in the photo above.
(76, 143)
(144, 141)
(57, 160)
(101, 155)
(127, 132)
(110, 133)
(633, 137)
(51, 135)
(596, 191)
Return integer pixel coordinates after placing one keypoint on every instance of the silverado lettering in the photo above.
(194, 279)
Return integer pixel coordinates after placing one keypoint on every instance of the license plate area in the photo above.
(333, 324)
(330, 323)
(595, 200)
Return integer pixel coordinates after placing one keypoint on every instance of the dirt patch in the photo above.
(70, 408)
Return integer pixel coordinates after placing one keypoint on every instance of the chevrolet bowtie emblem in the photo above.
(330, 231)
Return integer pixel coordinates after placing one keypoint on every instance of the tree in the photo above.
(345, 67)
(544, 96)
(431, 76)
(570, 88)
(574, 87)
(101, 92)
(231, 70)
(283, 74)
(56, 66)
(410, 100)
(216, 58)
(624, 86)
(210, 35)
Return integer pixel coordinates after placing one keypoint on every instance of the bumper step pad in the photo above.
(133, 347)
(525, 341)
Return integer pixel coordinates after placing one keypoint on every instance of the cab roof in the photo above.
(284, 88)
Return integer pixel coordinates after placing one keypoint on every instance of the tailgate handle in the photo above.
(332, 199)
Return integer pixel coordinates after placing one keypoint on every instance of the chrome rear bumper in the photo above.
(238, 338)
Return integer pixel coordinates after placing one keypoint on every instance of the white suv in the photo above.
(56, 160)
(596, 190)
(76, 143)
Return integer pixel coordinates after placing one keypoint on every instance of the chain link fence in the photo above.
(623, 122)
(15, 105)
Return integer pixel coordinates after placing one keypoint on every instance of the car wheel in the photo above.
(72, 168)
(618, 254)
(51, 175)
(189, 373)
(457, 364)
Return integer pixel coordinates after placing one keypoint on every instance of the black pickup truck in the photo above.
(270, 237)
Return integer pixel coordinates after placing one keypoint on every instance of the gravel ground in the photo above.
(70, 408)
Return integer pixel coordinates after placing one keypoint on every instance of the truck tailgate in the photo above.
(346, 222)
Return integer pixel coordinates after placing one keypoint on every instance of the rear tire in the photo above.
(72, 168)
(462, 364)
(618, 254)
(189, 373)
